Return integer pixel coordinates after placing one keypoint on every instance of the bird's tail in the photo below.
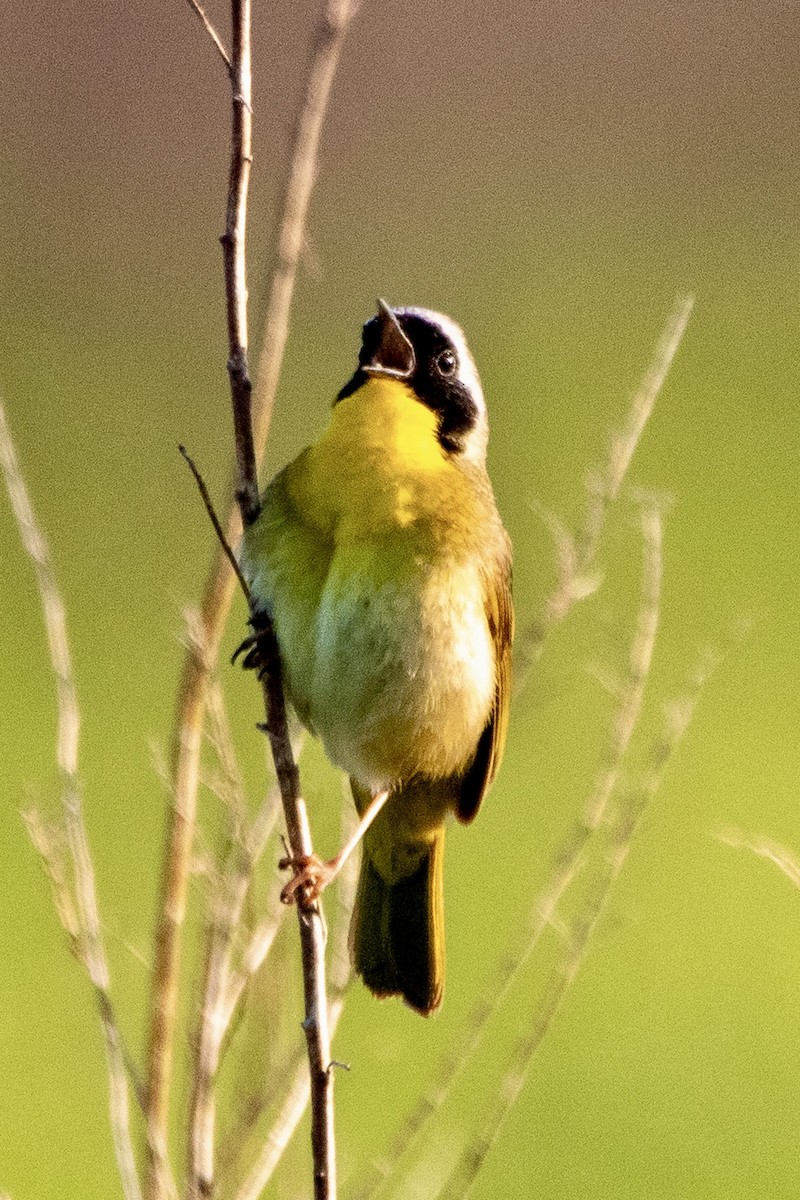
(397, 933)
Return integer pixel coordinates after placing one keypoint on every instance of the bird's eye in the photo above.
(446, 363)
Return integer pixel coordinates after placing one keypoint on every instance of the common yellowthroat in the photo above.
(382, 561)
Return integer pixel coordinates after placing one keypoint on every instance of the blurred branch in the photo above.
(230, 887)
(173, 900)
(780, 856)
(604, 488)
(75, 898)
(632, 804)
(328, 40)
(220, 583)
(576, 555)
(223, 985)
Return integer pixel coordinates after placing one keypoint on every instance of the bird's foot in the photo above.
(260, 649)
(311, 876)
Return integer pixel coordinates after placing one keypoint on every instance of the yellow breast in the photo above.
(378, 467)
(370, 553)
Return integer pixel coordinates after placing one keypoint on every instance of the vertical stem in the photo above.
(192, 697)
(312, 935)
(177, 859)
(233, 251)
(329, 37)
(220, 583)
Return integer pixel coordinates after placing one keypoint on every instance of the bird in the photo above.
(381, 560)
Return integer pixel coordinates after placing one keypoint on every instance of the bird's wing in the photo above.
(485, 764)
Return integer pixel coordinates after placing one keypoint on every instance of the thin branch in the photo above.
(289, 1116)
(218, 1006)
(83, 922)
(166, 980)
(214, 519)
(328, 40)
(219, 589)
(298, 1094)
(311, 922)
(312, 934)
(212, 33)
(626, 822)
(234, 259)
(576, 556)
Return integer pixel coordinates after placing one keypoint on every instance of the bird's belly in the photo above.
(403, 673)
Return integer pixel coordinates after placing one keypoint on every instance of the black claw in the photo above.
(259, 649)
(248, 645)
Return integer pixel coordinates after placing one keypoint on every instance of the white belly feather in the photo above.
(403, 674)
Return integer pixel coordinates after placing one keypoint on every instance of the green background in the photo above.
(551, 175)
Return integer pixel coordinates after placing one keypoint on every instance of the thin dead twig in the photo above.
(624, 825)
(329, 38)
(235, 259)
(576, 555)
(76, 899)
(312, 937)
(220, 584)
(212, 33)
(218, 1003)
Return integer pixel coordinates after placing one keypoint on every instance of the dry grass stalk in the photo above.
(622, 827)
(576, 556)
(74, 888)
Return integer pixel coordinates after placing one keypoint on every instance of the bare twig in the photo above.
(212, 33)
(219, 588)
(625, 822)
(222, 989)
(234, 259)
(329, 37)
(312, 936)
(77, 905)
(577, 573)
(214, 519)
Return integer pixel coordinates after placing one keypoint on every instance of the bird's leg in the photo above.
(313, 874)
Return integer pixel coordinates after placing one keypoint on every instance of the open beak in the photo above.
(394, 355)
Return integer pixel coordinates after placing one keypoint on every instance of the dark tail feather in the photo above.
(397, 935)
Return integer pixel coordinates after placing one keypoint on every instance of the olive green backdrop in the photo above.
(551, 175)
